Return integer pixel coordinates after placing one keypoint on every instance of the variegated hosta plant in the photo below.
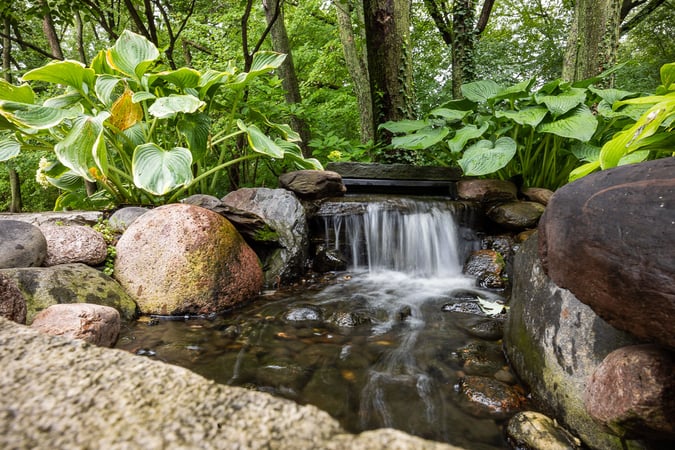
(141, 133)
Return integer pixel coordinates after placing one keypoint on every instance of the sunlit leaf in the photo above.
(491, 308)
(69, 73)
(405, 126)
(132, 54)
(105, 86)
(182, 78)
(668, 75)
(260, 142)
(142, 96)
(160, 171)
(20, 94)
(584, 170)
(76, 150)
(165, 107)
(63, 101)
(485, 157)
(33, 116)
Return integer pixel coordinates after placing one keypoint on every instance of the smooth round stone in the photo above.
(21, 245)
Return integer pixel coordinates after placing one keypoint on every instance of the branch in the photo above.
(640, 15)
(29, 45)
(198, 46)
(484, 16)
(441, 21)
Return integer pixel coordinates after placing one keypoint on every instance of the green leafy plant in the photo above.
(509, 131)
(143, 134)
(103, 227)
(649, 132)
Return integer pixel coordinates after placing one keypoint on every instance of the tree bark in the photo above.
(14, 181)
(387, 26)
(50, 31)
(593, 39)
(274, 15)
(357, 62)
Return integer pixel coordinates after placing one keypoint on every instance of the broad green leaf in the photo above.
(484, 157)
(584, 170)
(142, 96)
(585, 152)
(515, 91)
(266, 61)
(420, 139)
(531, 116)
(632, 111)
(68, 181)
(449, 114)
(160, 171)
(209, 79)
(76, 150)
(20, 94)
(105, 86)
(64, 101)
(9, 149)
(481, 91)
(195, 128)
(648, 100)
(580, 124)
(68, 72)
(165, 107)
(464, 135)
(33, 116)
(260, 142)
(136, 135)
(611, 95)
(634, 157)
(668, 75)
(550, 87)
(132, 54)
(405, 126)
(293, 153)
(182, 78)
(562, 103)
(100, 64)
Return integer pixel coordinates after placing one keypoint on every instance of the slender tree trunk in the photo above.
(387, 26)
(80, 38)
(593, 39)
(464, 42)
(357, 62)
(50, 31)
(274, 15)
(14, 181)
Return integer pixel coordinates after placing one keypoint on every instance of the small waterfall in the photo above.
(419, 238)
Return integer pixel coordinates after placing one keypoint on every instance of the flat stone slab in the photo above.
(394, 171)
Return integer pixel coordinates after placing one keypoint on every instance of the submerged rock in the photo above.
(487, 397)
(183, 259)
(529, 430)
(488, 267)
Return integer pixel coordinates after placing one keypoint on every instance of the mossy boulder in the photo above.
(184, 259)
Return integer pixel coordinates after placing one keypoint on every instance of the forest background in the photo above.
(327, 89)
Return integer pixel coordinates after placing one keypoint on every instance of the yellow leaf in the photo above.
(124, 112)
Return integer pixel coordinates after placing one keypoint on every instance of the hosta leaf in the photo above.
(562, 103)
(64, 101)
(182, 78)
(132, 54)
(260, 142)
(125, 113)
(20, 94)
(668, 75)
(68, 181)
(76, 150)
(195, 128)
(9, 149)
(70, 73)
(585, 152)
(464, 135)
(484, 157)
(160, 171)
(293, 153)
(142, 96)
(584, 170)
(529, 116)
(580, 124)
(421, 139)
(105, 86)
(165, 107)
(263, 62)
(611, 95)
(481, 91)
(405, 126)
(516, 91)
(33, 116)
(634, 157)
(449, 114)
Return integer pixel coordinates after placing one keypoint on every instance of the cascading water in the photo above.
(374, 346)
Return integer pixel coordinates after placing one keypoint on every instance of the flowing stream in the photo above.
(383, 344)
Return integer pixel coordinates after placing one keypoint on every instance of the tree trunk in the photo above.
(464, 42)
(274, 15)
(14, 181)
(357, 62)
(387, 26)
(50, 32)
(593, 38)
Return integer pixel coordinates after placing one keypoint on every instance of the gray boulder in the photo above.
(59, 393)
(21, 245)
(96, 324)
(609, 238)
(516, 215)
(74, 244)
(183, 259)
(313, 184)
(487, 191)
(284, 248)
(554, 343)
(120, 220)
(69, 283)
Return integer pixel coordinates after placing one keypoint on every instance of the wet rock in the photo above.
(303, 314)
(534, 431)
(487, 191)
(12, 301)
(609, 239)
(74, 244)
(95, 324)
(462, 307)
(505, 375)
(205, 265)
(134, 402)
(481, 358)
(487, 397)
(121, 219)
(284, 216)
(490, 329)
(516, 215)
(632, 392)
(504, 244)
(539, 195)
(282, 375)
(313, 184)
(554, 343)
(69, 283)
(488, 267)
(330, 391)
(328, 260)
(347, 319)
(21, 245)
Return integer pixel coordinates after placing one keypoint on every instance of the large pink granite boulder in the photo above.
(96, 324)
(184, 259)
